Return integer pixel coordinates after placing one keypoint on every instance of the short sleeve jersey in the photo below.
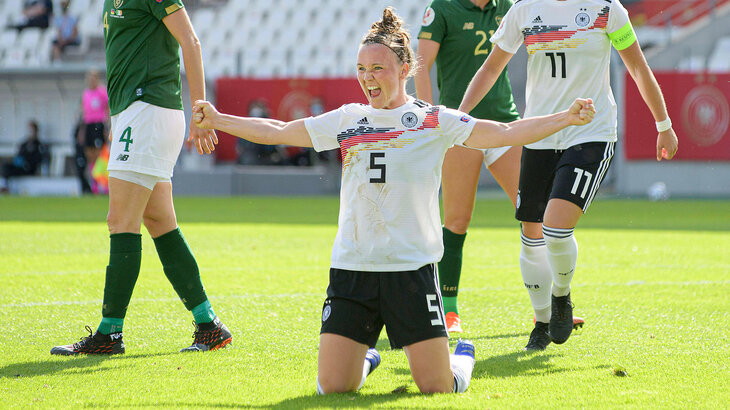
(569, 49)
(391, 172)
(462, 31)
(142, 57)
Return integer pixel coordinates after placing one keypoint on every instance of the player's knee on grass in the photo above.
(327, 384)
(434, 383)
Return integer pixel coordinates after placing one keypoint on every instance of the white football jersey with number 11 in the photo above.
(391, 173)
(569, 47)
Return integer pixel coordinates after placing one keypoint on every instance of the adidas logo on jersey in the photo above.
(537, 20)
(364, 121)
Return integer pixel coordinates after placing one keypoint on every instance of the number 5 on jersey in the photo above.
(377, 167)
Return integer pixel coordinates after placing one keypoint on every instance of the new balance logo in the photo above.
(123, 157)
(537, 20)
(116, 336)
(364, 120)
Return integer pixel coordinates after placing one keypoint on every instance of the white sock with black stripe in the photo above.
(461, 366)
(536, 276)
(562, 254)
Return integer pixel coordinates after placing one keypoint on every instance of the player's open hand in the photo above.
(582, 111)
(666, 145)
(203, 140)
(202, 134)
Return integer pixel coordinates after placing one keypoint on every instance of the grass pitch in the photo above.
(652, 283)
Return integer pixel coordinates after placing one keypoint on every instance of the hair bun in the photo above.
(390, 24)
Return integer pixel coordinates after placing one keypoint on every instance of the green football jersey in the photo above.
(142, 57)
(463, 31)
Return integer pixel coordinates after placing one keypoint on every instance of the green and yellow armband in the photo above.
(623, 37)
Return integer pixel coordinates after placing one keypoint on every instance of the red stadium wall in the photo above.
(286, 100)
(700, 112)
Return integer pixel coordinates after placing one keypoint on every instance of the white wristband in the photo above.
(662, 126)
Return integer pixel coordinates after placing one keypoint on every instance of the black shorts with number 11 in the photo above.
(573, 174)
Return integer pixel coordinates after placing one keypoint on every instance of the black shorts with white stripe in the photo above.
(573, 174)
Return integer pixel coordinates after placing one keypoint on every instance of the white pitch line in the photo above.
(632, 283)
(220, 270)
(322, 294)
(99, 301)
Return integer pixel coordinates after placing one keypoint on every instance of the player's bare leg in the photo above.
(436, 371)
(126, 205)
(459, 186)
(341, 364)
(182, 270)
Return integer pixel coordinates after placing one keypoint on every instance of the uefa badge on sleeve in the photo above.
(326, 313)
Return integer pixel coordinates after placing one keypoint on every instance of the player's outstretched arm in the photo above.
(490, 134)
(259, 130)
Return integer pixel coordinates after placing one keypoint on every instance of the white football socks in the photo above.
(536, 276)
(365, 372)
(562, 254)
(461, 366)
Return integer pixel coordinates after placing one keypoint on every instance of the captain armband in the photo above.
(623, 37)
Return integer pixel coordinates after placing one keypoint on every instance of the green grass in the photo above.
(652, 283)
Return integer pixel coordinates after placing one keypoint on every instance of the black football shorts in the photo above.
(407, 303)
(573, 174)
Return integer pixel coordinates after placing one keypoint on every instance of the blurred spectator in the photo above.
(67, 33)
(31, 156)
(256, 154)
(80, 157)
(95, 103)
(36, 13)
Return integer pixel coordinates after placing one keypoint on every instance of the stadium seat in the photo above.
(90, 24)
(204, 19)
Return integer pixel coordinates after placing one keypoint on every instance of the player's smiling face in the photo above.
(382, 76)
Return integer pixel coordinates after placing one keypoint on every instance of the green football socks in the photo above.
(110, 325)
(203, 313)
(182, 271)
(125, 256)
(450, 269)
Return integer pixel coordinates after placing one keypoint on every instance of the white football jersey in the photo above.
(569, 51)
(391, 172)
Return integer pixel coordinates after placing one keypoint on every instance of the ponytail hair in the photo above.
(389, 32)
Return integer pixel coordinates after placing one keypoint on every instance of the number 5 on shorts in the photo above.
(126, 138)
(433, 306)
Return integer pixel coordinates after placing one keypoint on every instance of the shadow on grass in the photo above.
(311, 401)
(502, 336)
(79, 364)
(522, 363)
